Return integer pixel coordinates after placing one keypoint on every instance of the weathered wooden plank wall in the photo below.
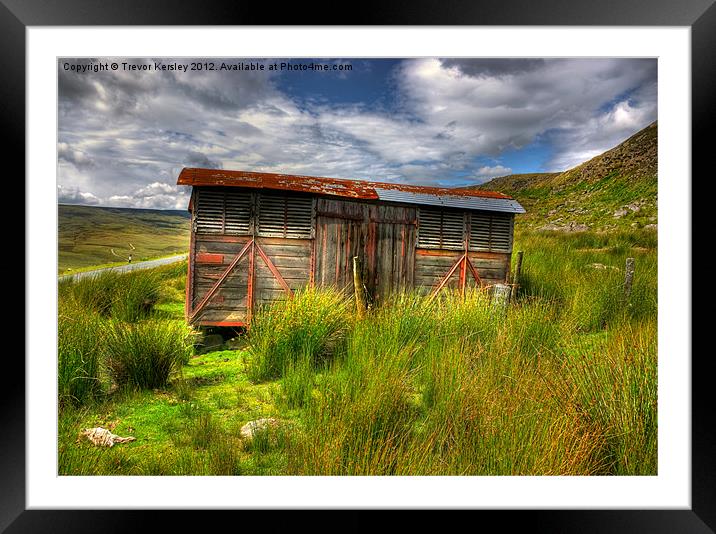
(292, 259)
(492, 267)
(431, 266)
(229, 304)
(383, 236)
(214, 253)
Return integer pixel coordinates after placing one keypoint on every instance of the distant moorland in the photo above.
(87, 235)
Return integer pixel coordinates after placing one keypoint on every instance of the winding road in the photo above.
(126, 268)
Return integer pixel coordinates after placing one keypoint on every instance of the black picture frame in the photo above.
(17, 15)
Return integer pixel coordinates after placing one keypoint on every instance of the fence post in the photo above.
(516, 275)
(358, 286)
(628, 278)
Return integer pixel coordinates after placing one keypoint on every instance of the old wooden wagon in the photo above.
(258, 237)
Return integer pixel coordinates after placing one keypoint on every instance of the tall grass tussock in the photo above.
(563, 384)
(144, 355)
(107, 336)
(79, 353)
(126, 297)
(309, 325)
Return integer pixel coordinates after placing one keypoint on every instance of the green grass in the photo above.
(114, 328)
(564, 383)
(144, 355)
(126, 297)
(87, 235)
(310, 325)
(79, 355)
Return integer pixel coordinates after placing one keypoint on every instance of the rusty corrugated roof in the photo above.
(359, 189)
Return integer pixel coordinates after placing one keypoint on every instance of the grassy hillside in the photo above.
(615, 190)
(87, 235)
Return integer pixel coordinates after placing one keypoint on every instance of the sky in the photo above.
(124, 135)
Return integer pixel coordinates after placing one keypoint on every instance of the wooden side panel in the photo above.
(491, 266)
(432, 265)
(382, 236)
(341, 233)
(292, 259)
(394, 241)
(229, 303)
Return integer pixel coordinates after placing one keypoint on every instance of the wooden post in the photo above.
(358, 286)
(516, 275)
(501, 297)
(628, 277)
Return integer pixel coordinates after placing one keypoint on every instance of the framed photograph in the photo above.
(463, 252)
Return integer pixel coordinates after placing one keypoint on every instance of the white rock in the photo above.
(603, 267)
(249, 429)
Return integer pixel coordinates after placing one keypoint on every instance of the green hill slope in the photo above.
(617, 189)
(87, 235)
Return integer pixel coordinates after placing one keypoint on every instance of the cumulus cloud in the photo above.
(175, 201)
(67, 195)
(483, 174)
(125, 136)
(493, 108)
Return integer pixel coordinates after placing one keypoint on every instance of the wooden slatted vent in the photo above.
(237, 208)
(287, 216)
(490, 232)
(441, 229)
(223, 212)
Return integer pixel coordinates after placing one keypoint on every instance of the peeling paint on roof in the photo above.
(357, 189)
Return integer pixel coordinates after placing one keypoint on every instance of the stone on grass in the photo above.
(249, 429)
(620, 213)
(603, 267)
(575, 227)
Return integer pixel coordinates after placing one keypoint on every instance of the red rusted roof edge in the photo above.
(313, 184)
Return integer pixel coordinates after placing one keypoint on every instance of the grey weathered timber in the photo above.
(358, 285)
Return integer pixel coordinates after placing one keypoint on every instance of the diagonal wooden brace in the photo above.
(273, 270)
(221, 279)
(447, 276)
(473, 270)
